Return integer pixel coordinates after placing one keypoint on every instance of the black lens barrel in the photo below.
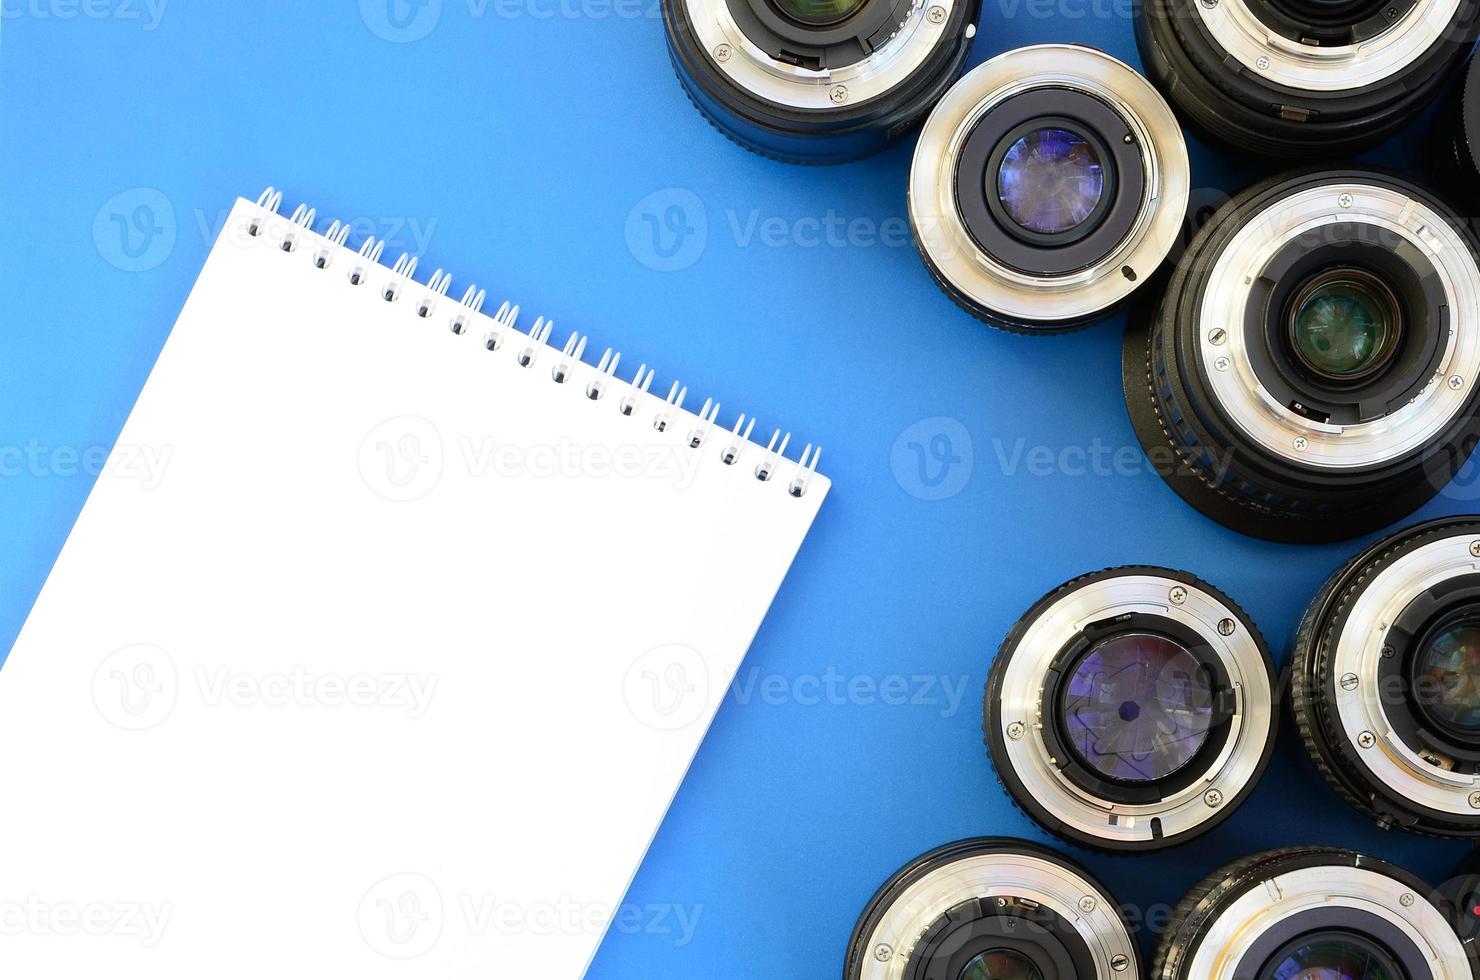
(823, 124)
(1235, 105)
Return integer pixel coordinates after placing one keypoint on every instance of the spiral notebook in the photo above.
(392, 662)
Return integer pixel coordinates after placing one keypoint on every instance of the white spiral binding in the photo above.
(503, 325)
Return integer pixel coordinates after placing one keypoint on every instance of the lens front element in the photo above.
(1050, 181)
(1344, 325)
(1331, 957)
(819, 13)
(1447, 677)
(1001, 964)
(1138, 708)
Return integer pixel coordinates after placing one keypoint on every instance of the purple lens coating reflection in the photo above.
(1050, 181)
(1138, 707)
(1448, 683)
(1330, 959)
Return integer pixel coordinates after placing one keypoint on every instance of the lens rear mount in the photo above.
(1300, 79)
(1311, 911)
(1385, 739)
(1082, 145)
(817, 89)
(1263, 444)
(1131, 709)
(991, 902)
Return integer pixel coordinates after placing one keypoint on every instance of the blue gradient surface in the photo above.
(543, 149)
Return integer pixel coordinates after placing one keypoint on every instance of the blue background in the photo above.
(518, 145)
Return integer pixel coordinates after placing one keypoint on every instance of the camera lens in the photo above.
(1034, 204)
(1131, 709)
(1310, 371)
(1386, 679)
(817, 81)
(1312, 913)
(991, 909)
(1300, 79)
(1046, 185)
(1454, 150)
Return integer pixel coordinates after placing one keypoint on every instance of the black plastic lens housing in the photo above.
(1267, 445)
(997, 902)
(1454, 150)
(1345, 76)
(817, 81)
(1396, 741)
(1323, 910)
(1047, 186)
(1121, 728)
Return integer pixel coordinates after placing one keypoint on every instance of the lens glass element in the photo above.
(1330, 958)
(1137, 707)
(1447, 672)
(1050, 181)
(1344, 325)
(1000, 964)
(819, 13)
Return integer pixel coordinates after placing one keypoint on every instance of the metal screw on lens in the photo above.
(1178, 595)
(1016, 731)
(1366, 740)
(1217, 336)
(839, 94)
(1456, 382)
(1226, 627)
(1406, 900)
(937, 15)
(1388, 652)
(1213, 798)
(1475, 549)
(1263, 63)
(1345, 200)
(1120, 962)
(1301, 444)
(1475, 801)
(722, 53)
(882, 952)
(1222, 363)
(1087, 904)
(1349, 682)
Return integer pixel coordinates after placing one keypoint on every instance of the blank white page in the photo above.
(373, 653)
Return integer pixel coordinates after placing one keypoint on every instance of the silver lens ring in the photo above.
(1279, 60)
(1224, 352)
(980, 279)
(1266, 906)
(755, 71)
(1092, 805)
(893, 938)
